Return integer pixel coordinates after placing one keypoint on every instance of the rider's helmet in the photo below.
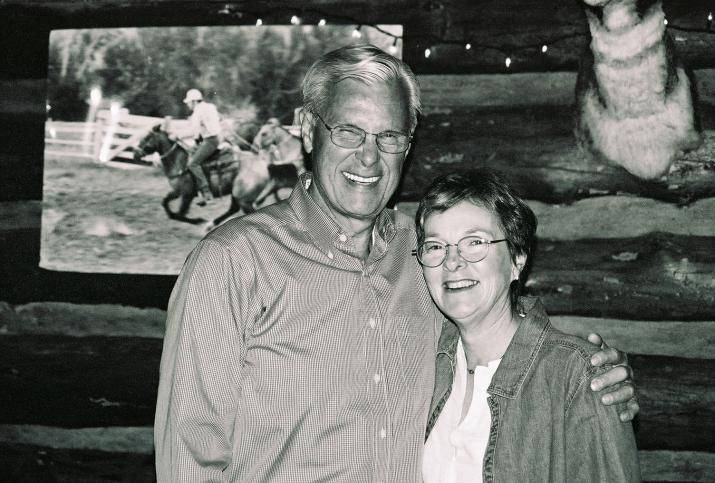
(193, 95)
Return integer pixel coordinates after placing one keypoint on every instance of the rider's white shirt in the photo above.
(205, 120)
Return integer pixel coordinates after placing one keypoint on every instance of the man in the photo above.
(301, 340)
(205, 126)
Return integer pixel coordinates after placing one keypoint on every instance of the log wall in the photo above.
(632, 260)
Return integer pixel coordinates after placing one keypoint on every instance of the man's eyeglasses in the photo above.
(351, 137)
(470, 248)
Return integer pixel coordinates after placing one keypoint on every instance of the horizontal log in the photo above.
(602, 217)
(691, 339)
(657, 276)
(138, 440)
(449, 91)
(689, 466)
(40, 461)
(677, 403)
(78, 382)
(90, 382)
(538, 153)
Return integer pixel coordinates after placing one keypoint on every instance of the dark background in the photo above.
(629, 258)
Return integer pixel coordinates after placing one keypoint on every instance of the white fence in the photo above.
(112, 135)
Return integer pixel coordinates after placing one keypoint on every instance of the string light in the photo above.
(230, 9)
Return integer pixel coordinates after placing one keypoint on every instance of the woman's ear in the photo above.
(307, 126)
(517, 266)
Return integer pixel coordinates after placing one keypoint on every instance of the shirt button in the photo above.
(376, 378)
(343, 237)
(330, 255)
(383, 433)
(372, 322)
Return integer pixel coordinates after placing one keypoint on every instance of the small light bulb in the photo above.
(544, 48)
(294, 20)
(428, 52)
(468, 46)
(710, 17)
(507, 62)
(356, 33)
(665, 21)
(321, 23)
(259, 22)
(393, 48)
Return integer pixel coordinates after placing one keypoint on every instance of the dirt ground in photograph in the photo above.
(108, 218)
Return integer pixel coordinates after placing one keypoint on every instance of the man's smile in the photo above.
(459, 284)
(360, 179)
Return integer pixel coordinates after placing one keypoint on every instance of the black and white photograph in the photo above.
(419, 241)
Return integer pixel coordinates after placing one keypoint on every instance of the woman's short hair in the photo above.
(363, 62)
(486, 188)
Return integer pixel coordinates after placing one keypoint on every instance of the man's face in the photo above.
(354, 185)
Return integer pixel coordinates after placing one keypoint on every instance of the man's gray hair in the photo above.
(365, 63)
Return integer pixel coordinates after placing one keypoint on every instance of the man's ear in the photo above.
(307, 128)
(518, 266)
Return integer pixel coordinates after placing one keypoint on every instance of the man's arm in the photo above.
(199, 373)
(616, 384)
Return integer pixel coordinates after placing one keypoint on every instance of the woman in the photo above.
(512, 400)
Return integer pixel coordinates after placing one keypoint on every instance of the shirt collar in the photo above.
(326, 233)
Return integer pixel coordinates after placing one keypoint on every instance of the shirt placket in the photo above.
(377, 380)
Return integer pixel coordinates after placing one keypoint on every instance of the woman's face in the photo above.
(467, 291)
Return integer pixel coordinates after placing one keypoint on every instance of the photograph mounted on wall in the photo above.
(154, 136)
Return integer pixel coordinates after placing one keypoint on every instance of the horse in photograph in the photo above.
(284, 153)
(243, 174)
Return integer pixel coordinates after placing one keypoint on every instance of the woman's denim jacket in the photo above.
(547, 425)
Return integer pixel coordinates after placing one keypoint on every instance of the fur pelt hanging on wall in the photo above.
(633, 98)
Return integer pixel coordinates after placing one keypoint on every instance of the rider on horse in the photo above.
(206, 128)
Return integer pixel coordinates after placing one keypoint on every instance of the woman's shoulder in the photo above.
(569, 357)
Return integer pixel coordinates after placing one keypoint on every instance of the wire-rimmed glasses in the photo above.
(470, 248)
(351, 137)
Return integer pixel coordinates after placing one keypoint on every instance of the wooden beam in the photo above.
(625, 278)
(690, 339)
(691, 466)
(42, 462)
(442, 92)
(602, 217)
(85, 382)
(653, 277)
(532, 149)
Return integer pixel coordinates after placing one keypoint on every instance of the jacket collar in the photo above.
(522, 351)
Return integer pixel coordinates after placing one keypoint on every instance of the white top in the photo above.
(205, 120)
(454, 451)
